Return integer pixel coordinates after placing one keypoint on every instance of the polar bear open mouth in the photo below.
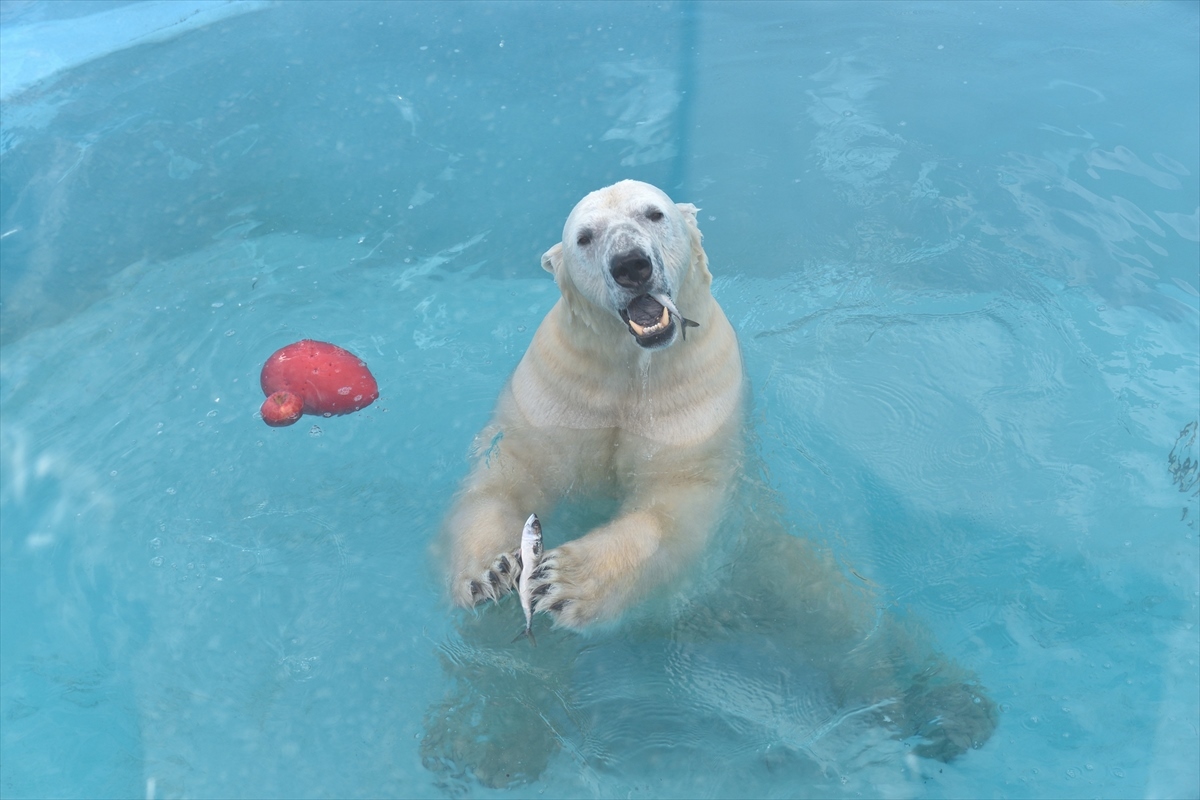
(649, 321)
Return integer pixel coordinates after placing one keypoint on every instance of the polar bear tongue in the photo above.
(645, 311)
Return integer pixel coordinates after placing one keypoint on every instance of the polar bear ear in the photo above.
(689, 210)
(552, 259)
(699, 257)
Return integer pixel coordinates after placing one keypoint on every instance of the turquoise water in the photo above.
(959, 243)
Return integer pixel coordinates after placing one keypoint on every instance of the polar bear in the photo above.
(632, 390)
(619, 391)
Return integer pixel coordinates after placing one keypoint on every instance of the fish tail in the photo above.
(526, 632)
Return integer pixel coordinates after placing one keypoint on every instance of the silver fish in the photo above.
(531, 556)
(665, 301)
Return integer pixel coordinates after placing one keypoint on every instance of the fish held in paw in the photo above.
(531, 557)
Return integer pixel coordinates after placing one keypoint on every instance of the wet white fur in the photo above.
(588, 409)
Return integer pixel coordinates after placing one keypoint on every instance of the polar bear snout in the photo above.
(632, 269)
(640, 296)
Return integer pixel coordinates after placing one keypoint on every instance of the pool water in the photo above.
(959, 244)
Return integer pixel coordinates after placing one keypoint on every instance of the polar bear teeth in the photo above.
(663, 322)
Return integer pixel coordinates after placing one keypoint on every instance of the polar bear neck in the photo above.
(584, 371)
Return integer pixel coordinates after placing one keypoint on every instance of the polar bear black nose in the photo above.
(631, 270)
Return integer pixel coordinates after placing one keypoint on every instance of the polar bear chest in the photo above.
(681, 400)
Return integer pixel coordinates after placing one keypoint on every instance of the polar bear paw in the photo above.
(947, 717)
(493, 583)
(563, 595)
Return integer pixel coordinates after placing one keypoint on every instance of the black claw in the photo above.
(502, 567)
(476, 588)
(561, 604)
(541, 590)
(493, 578)
(538, 574)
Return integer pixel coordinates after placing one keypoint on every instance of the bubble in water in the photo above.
(156, 542)
(230, 332)
(157, 561)
(170, 490)
(314, 431)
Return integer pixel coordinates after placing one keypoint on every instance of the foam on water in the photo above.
(970, 328)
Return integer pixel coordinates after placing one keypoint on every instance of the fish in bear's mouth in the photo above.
(651, 319)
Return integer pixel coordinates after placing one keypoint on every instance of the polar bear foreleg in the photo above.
(482, 545)
(597, 577)
(483, 530)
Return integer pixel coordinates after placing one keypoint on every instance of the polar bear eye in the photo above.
(654, 215)
(585, 238)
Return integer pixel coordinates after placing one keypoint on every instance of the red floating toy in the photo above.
(310, 377)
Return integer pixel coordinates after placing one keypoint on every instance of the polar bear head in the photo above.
(627, 256)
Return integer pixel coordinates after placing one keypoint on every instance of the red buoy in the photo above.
(309, 377)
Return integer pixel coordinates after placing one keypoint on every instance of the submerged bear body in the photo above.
(631, 397)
